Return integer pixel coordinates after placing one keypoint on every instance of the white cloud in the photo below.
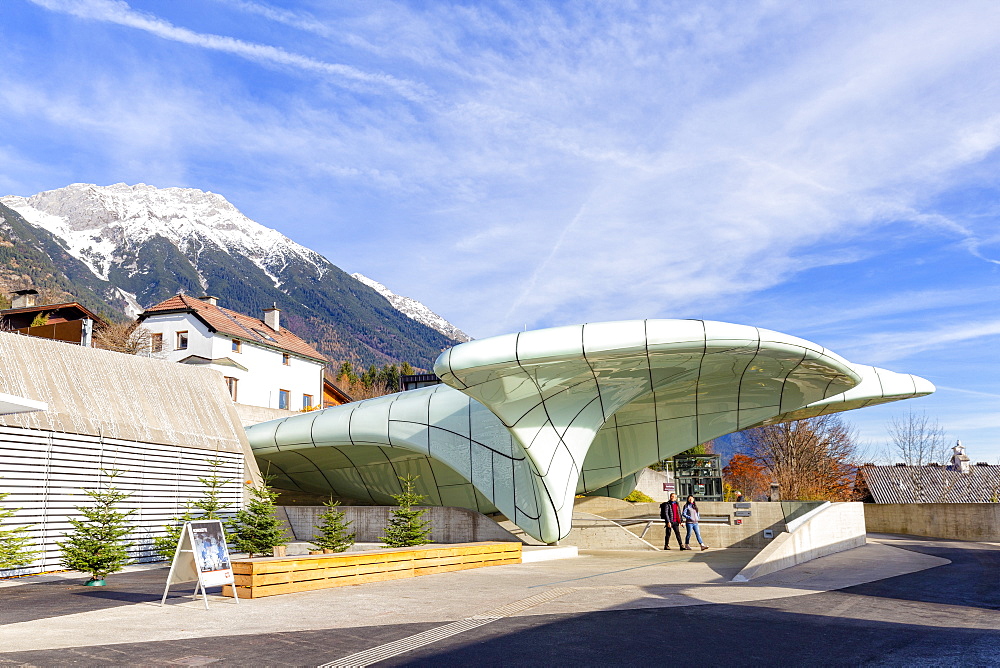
(883, 347)
(586, 161)
(119, 12)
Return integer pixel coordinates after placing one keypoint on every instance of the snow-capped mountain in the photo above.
(99, 224)
(411, 308)
(133, 246)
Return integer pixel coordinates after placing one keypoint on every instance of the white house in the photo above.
(263, 363)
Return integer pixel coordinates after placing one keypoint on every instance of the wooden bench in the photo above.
(269, 576)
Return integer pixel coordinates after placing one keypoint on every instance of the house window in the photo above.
(156, 343)
(307, 401)
(286, 359)
(231, 384)
(284, 397)
(237, 346)
(264, 335)
(182, 340)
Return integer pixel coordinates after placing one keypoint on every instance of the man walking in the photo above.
(670, 511)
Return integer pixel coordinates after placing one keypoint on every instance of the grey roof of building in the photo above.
(117, 396)
(932, 484)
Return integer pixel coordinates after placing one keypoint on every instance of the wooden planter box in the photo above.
(283, 575)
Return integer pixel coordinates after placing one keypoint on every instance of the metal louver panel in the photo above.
(45, 471)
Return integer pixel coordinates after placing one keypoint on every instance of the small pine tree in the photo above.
(406, 528)
(97, 544)
(14, 543)
(211, 504)
(166, 546)
(333, 529)
(256, 529)
(406, 369)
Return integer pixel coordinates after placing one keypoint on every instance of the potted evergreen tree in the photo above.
(256, 529)
(97, 543)
(15, 543)
(333, 527)
(406, 526)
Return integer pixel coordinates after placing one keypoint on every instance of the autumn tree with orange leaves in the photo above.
(744, 474)
(812, 459)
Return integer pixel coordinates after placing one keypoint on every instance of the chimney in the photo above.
(214, 301)
(272, 317)
(960, 460)
(24, 298)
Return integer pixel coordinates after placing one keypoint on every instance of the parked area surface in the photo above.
(895, 601)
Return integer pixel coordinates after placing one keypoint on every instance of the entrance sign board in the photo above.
(201, 556)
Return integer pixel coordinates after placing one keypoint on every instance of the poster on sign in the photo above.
(210, 553)
(201, 556)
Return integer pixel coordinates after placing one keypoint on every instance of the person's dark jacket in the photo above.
(671, 512)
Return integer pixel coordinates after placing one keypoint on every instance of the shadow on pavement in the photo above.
(972, 579)
(42, 600)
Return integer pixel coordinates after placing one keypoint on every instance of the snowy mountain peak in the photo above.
(413, 309)
(97, 222)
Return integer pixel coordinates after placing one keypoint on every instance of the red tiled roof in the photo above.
(235, 324)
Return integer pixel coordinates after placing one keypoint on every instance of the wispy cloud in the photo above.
(120, 13)
(722, 149)
(883, 347)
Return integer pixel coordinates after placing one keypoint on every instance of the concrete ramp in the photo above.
(831, 528)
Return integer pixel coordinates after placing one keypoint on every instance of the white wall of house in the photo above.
(267, 372)
(169, 324)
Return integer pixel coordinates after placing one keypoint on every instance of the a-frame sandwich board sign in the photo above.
(201, 556)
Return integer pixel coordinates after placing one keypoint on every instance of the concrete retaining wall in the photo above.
(828, 529)
(448, 525)
(651, 484)
(749, 533)
(959, 521)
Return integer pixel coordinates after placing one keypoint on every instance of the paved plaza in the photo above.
(896, 601)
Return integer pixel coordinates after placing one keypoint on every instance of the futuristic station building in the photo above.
(526, 421)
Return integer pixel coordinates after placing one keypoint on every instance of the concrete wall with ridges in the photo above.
(959, 521)
(448, 524)
(113, 395)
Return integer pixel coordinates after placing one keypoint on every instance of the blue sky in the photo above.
(829, 170)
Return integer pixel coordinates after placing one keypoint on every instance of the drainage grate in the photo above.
(397, 647)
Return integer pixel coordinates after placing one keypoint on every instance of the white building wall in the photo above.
(266, 374)
(199, 337)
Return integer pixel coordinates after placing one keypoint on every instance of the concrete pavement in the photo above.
(589, 606)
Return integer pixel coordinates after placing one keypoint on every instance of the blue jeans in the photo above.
(697, 533)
